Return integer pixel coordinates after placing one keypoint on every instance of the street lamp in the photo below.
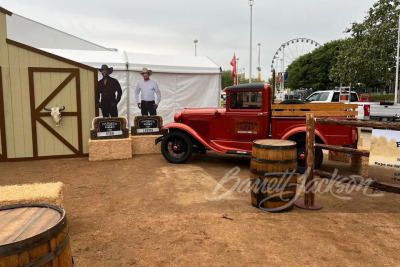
(282, 73)
(259, 62)
(195, 47)
(251, 3)
(283, 67)
(396, 87)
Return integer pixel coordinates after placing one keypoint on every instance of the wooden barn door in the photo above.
(3, 143)
(50, 87)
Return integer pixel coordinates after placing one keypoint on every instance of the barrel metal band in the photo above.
(26, 244)
(49, 257)
(272, 175)
(256, 192)
(260, 160)
(269, 147)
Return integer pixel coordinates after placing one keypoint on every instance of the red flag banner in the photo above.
(233, 64)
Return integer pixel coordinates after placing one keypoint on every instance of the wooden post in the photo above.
(354, 123)
(308, 203)
(310, 164)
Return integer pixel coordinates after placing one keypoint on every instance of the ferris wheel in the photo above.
(290, 51)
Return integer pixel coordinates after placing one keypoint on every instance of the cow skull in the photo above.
(55, 113)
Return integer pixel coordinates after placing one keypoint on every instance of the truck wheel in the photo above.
(177, 147)
(301, 157)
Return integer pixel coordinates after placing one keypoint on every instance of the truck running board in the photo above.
(238, 152)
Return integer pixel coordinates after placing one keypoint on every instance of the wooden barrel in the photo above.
(271, 155)
(273, 179)
(34, 235)
(273, 197)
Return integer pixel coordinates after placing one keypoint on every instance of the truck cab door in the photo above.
(243, 122)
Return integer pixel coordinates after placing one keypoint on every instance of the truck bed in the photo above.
(380, 111)
(282, 127)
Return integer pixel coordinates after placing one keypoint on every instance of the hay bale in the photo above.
(110, 149)
(144, 144)
(341, 157)
(364, 161)
(360, 141)
(47, 193)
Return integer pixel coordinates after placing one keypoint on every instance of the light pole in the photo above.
(237, 70)
(259, 60)
(276, 70)
(396, 87)
(195, 47)
(251, 3)
(282, 75)
(283, 68)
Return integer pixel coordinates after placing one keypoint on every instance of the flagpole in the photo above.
(234, 69)
(237, 71)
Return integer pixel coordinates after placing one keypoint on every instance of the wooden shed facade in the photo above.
(30, 80)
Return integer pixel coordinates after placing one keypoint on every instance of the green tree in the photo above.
(226, 79)
(369, 55)
(312, 70)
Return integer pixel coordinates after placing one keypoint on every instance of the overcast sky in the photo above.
(222, 27)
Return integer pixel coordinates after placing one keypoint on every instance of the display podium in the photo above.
(109, 139)
(143, 134)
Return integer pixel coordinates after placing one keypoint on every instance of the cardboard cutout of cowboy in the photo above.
(145, 95)
(108, 93)
(147, 89)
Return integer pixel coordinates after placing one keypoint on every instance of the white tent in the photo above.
(184, 81)
(38, 35)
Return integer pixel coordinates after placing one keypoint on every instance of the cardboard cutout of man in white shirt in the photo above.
(147, 90)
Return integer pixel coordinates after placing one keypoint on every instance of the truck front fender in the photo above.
(302, 129)
(193, 133)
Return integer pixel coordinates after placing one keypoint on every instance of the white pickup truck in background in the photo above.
(380, 111)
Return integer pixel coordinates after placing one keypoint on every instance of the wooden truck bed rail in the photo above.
(318, 109)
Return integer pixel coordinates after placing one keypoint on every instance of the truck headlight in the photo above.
(177, 117)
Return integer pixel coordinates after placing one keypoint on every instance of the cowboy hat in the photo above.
(145, 70)
(105, 67)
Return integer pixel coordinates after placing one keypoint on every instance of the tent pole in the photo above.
(128, 97)
(219, 88)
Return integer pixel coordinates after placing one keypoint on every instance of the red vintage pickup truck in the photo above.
(247, 117)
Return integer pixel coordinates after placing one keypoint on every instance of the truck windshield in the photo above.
(313, 97)
(323, 96)
(245, 100)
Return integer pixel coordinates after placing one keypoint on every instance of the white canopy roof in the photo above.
(36, 34)
(136, 61)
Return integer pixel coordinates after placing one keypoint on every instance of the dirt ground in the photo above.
(147, 212)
